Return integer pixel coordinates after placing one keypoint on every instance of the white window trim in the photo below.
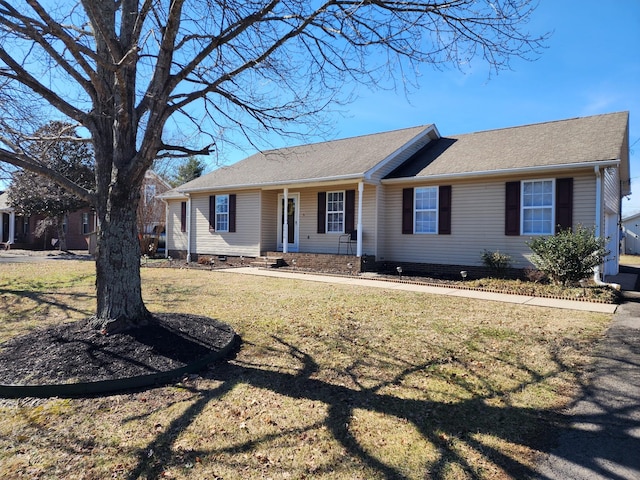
(415, 210)
(553, 206)
(225, 214)
(85, 216)
(343, 211)
(149, 194)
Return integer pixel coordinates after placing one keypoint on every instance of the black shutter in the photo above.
(444, 210)
(512, 209)
(407, 211)
(232, 213)
(212, 213)
(564, 203)
(350, 211)
(322, 212)
(183, 216)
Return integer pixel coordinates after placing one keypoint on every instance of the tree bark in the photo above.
(118, 284)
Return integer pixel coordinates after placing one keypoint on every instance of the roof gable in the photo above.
(338, 159)
(576, 141)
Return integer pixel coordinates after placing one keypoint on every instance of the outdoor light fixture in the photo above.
(212, 263)
(294, 263)
(350, 267)
(241, 259)
(399, 270)
(463, 274)
(583, 283)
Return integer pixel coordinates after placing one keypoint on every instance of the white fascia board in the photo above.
(173, 196)
(280, 184)
(431, 131)
(504, 172)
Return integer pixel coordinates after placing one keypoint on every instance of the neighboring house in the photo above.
(415, 198)
(151, 213)
(631, 234)
(19, 231)
(7, 220)
(78, 225)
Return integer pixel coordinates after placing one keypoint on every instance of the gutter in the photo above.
(503, 172)
(276, 184)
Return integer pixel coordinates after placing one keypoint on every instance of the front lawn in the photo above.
(331, 381)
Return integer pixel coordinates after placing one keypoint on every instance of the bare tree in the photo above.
(126, 70)
(33, 194)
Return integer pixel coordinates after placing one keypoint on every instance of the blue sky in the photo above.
(591, 66)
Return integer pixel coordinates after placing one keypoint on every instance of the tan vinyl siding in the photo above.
(269, 231)
(176, 240)
(584, 200)
(477, 223)
(244, 241)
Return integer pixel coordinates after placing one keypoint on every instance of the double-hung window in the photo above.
(335, 212)
(85, 223)
(222, 213)
(426, 210)
(537, 207)
(149, 194)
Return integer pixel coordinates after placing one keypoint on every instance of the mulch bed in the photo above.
(74, 352)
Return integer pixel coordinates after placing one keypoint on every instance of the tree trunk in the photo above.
(118, 284)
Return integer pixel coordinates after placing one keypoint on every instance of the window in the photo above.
(85, 223)
(335, 212)
(149, 194)
(537, 207)
(222, 213)
(426, 210)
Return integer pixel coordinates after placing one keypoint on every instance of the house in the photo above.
(415, 198)
(631, 234)
(20, 231)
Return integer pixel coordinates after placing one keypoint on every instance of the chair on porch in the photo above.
(349, 239)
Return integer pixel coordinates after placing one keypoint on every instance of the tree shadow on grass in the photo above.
(444, 425)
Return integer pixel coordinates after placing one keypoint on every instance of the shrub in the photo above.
(496, 262)
(567, 257)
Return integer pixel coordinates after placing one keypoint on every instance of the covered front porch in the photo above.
(331, 220)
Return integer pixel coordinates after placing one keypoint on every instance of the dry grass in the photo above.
(331, 382)
(630, 260)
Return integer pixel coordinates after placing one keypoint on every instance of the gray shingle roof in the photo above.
(350, 157)
(578, 140)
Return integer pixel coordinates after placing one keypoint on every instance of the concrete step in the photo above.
(268, 262)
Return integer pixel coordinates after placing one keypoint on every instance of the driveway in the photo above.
(17, 255)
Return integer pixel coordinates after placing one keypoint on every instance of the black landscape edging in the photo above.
(82, 389)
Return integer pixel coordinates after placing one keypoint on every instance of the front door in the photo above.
(290, 214)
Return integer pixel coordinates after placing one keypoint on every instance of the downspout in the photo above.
(596, 271)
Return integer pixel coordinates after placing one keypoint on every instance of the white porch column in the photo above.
(285, 222)
(189, 227)
(359, 240)
(12, 227)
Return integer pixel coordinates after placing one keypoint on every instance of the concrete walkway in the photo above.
(435, 290)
